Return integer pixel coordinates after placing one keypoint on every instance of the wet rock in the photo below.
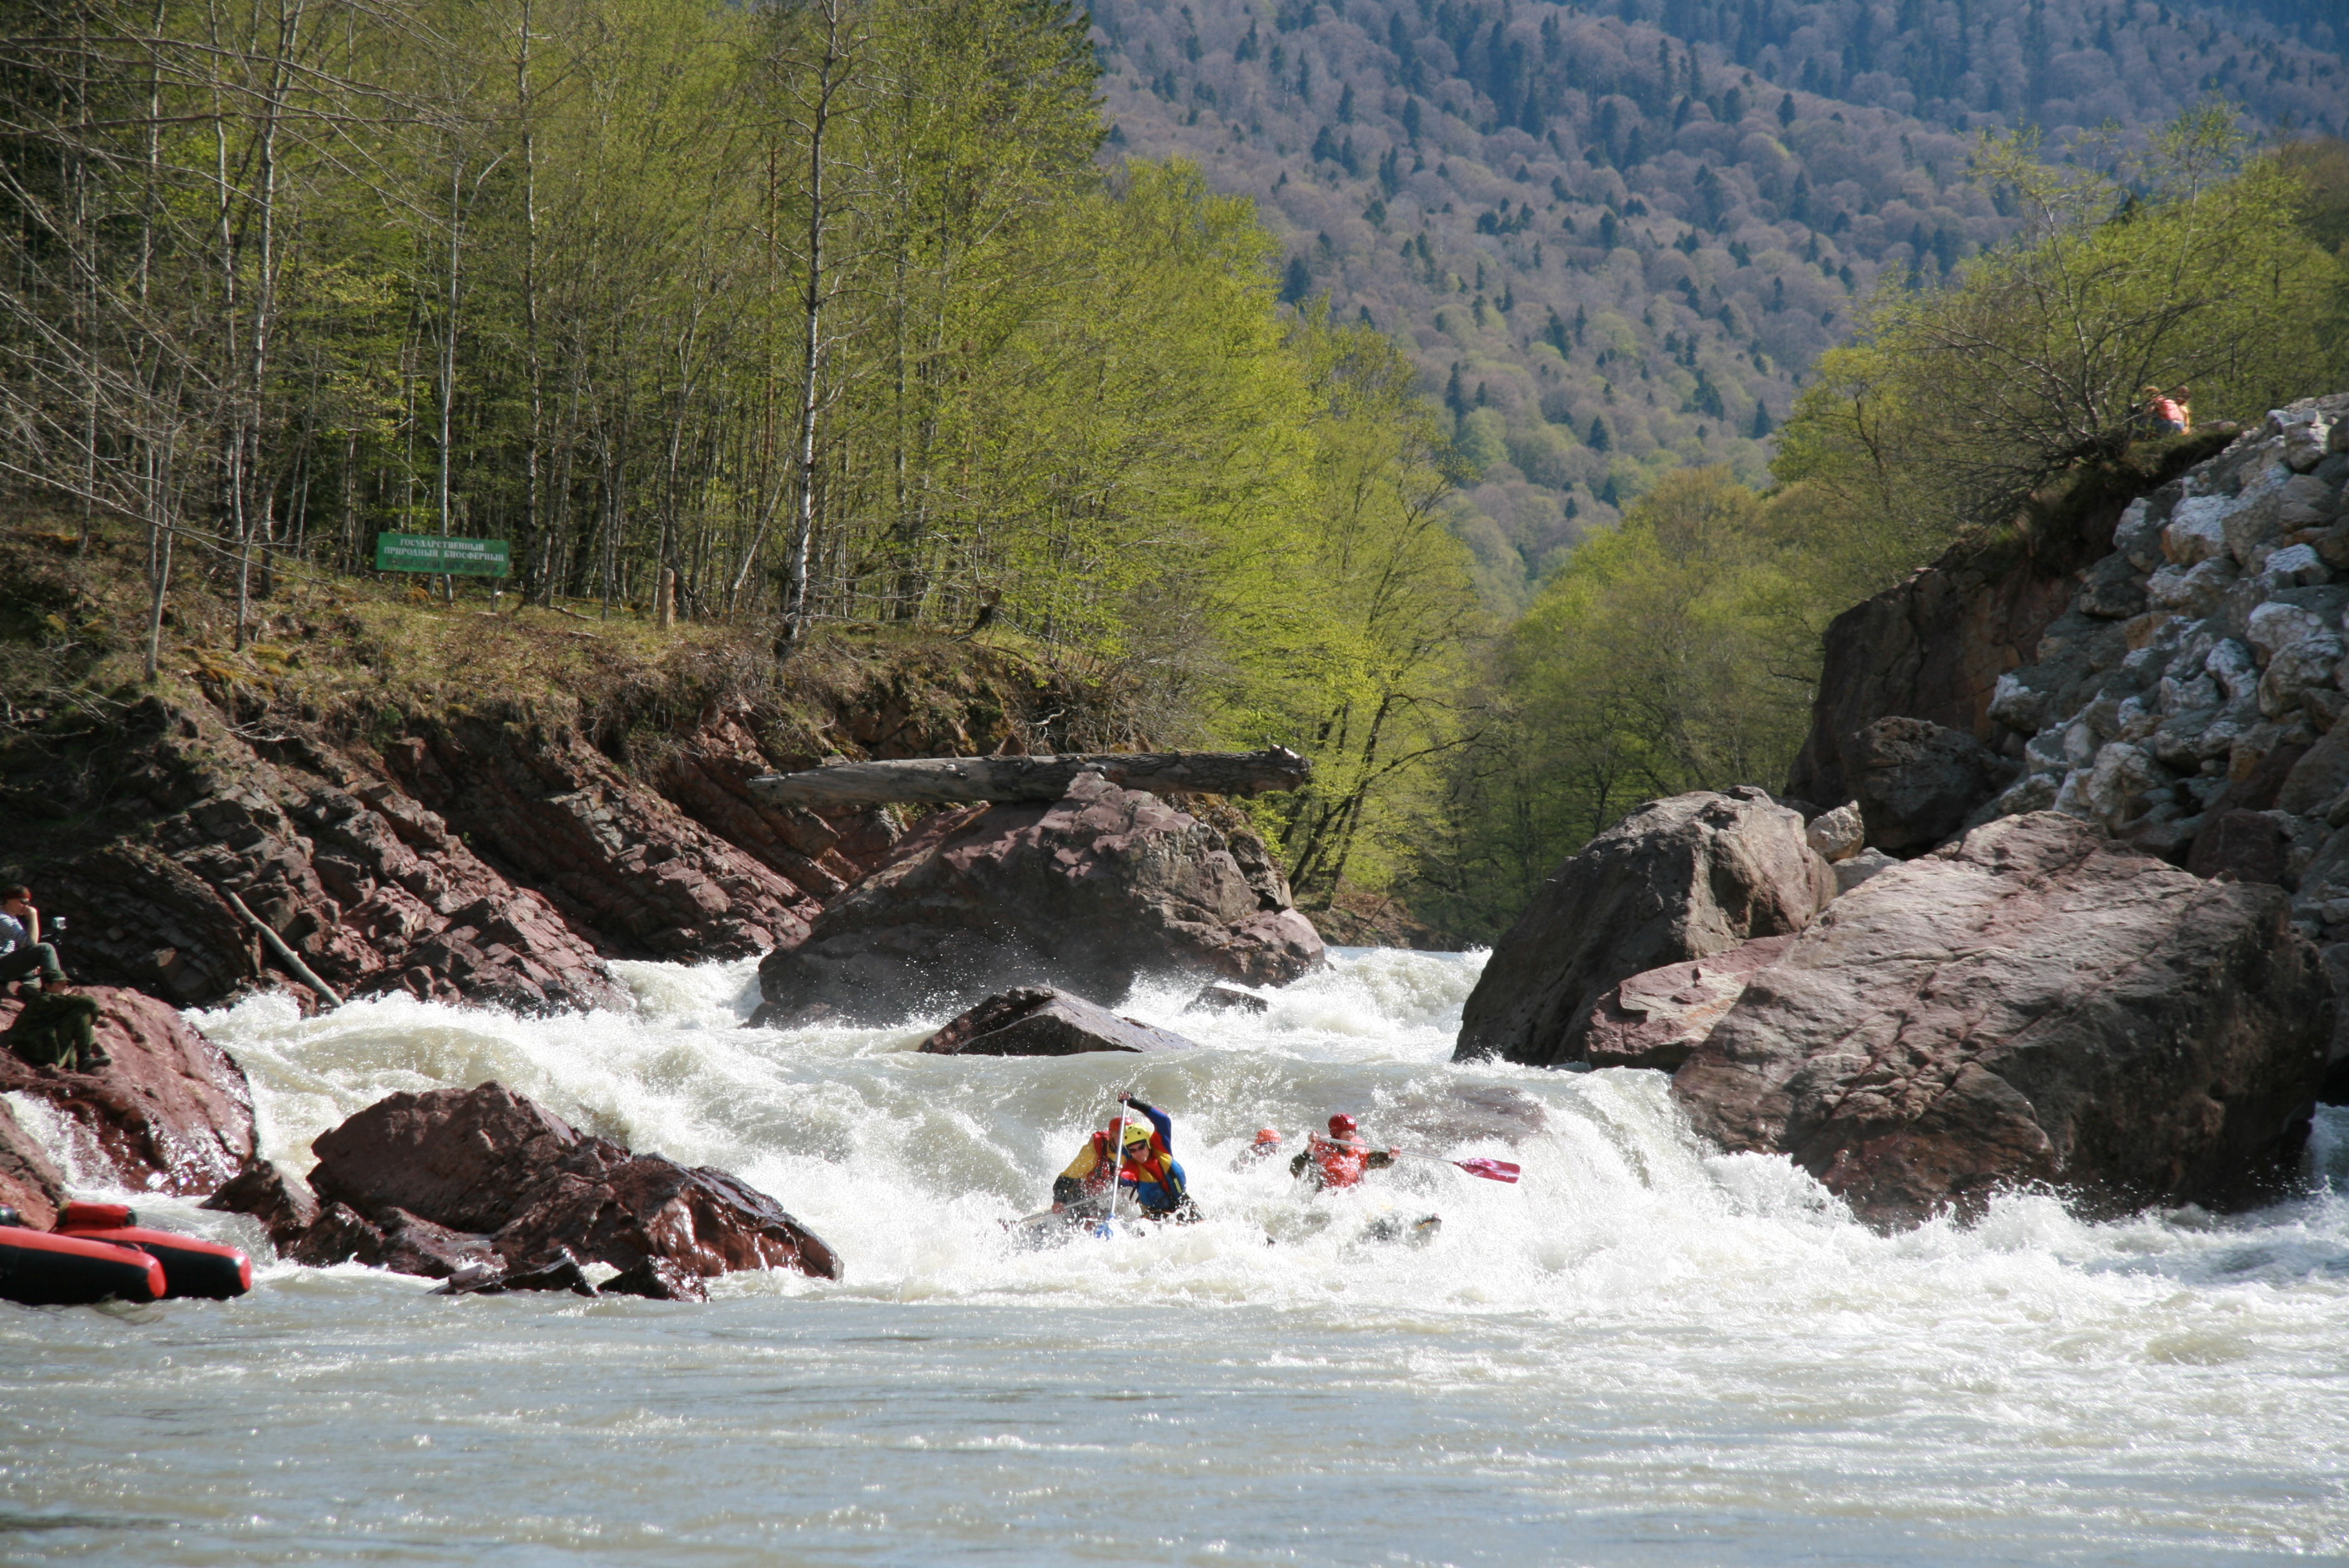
(30, 1182)
(1227, 999)
(1036, 1021)
(2034, 1005)
(1916, 781)
(340, 1234)
(505, 1174)
(171, 1112)
(1655, 1019)
(563, 1272)
(1087, 894)
(1677, 880)
(283, 1205)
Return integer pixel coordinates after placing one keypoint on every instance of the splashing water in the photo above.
(1645, 1352)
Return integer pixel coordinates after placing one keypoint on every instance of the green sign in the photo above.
(431, 553)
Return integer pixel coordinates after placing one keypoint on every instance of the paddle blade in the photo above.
(1490, 1169)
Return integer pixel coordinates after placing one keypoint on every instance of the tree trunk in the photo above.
(943, 779)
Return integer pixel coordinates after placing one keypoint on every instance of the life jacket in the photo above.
(1092, 1165)
(1341, 1164)
(1152, 1174)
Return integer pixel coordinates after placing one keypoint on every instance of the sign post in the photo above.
(452, 557)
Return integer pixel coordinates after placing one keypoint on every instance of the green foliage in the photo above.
(2178, 265)
(1653, 663)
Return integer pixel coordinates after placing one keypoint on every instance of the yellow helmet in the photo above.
(1136, 1132)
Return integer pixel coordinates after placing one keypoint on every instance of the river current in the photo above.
(1645, 1353)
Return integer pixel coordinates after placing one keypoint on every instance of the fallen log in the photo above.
(949, 780)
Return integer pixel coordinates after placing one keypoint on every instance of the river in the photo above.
(1642, 1354)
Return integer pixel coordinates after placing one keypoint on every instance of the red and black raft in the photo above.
(191, 1266)
(40, 1268)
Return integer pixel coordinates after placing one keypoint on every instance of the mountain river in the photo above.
(1644, 1353)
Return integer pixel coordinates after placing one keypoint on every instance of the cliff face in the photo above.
(2179, 682)
(1935, 646)
(473, 844)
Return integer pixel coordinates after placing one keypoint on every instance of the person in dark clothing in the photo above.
(22, 951)
(57, 1029)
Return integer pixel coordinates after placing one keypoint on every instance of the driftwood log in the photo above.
(947, 779)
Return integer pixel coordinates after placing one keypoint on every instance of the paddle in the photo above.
(1490, 1169)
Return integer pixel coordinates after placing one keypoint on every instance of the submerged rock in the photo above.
(2034, 1005)
(456, 1180)
(1088, 894)
(1037, 1021)
(169, 1112)
(1676, 880)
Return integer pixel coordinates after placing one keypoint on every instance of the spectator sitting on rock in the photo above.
(22, 951)
(57, 1029)
(2169, 410)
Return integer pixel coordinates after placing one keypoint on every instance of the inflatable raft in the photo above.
(99, 1253)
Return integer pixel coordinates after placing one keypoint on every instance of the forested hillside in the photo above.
(1615, 237)
(825, 311)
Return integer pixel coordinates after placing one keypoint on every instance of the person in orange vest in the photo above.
(1148, 1174)
(1339, 1160)
(1266, 1145)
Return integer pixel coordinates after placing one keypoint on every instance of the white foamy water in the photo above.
(1644, 1353)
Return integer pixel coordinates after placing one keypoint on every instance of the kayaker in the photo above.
(1339, 1160)
(1149, 1177)
(1266, 1145)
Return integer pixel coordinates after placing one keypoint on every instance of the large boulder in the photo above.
(1678, 879)
(1038, 1021)
(1657, 1017)
(1087, 894)
(1916, 781)
(2033, 1004)
(451, 1179)
(171, 1112)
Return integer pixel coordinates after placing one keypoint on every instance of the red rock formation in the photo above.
(1657, 1017)
(30, 1182)
(1038, 1021)
(1087, 894)
(1677, 880)
(171, 1113)
(2033, 1004)
(432, 1183)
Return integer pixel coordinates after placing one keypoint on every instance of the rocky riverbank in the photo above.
(2079, 913)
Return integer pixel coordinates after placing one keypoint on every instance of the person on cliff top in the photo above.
(1149, 1177)
(22, 951)
(1340, 1160)
(2169, 410)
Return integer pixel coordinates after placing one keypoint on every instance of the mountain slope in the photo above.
(1613, 250)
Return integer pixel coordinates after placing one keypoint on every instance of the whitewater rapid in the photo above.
(1646, 1351)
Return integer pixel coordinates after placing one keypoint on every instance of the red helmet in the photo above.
(1266, 1135)
(1341, 1124)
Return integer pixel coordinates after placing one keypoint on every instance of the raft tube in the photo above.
(207, 1270)
(41, 1269)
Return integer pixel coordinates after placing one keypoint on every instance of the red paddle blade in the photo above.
(1490, 1169)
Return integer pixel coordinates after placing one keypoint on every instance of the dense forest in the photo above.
(1493, 403)
(1615, 237)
